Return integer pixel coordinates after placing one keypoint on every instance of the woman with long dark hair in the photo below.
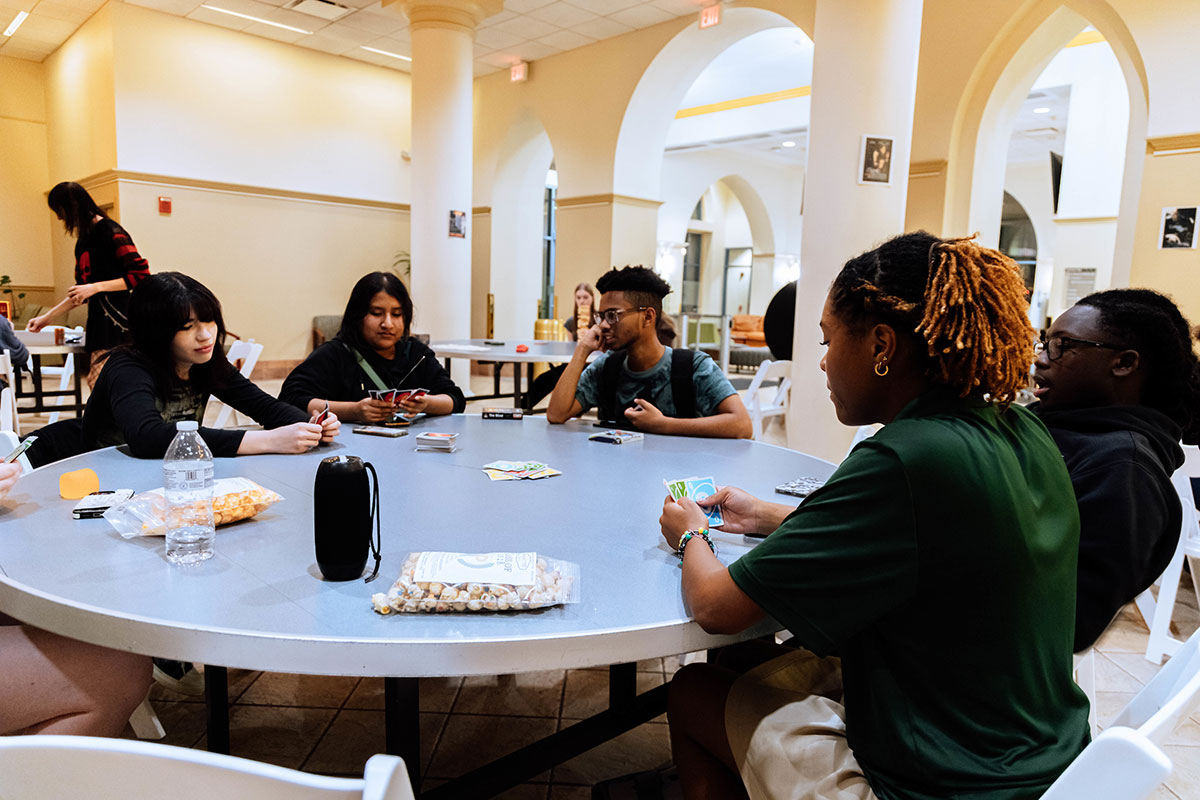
(373, 350)
(930, 582)
(175, 361)
(107, 268)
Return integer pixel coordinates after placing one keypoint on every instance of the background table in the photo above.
(260, 603)
(506, 353)
(36, 351)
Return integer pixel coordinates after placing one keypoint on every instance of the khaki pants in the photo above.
(787, 732)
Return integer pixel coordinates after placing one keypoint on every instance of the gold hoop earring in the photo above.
(881, 372)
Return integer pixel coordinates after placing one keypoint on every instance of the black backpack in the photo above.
(683, 390)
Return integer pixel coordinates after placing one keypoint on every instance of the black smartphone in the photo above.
(21, 448)
(95, 504)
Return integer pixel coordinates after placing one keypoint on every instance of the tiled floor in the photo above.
(331, 725)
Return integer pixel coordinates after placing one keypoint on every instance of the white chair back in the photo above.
(8, 443)
(50, 767)
(769, 370)
(1157, 611)
(862, 433)
(9, 419)
(247, 351)
(1125, 762)
(65, 373)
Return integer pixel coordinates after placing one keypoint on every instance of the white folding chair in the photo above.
(1126, 761)
(1085, 676)
(862, 433)
(9, 420)
(1157, 612)
(769, 370)
(51, 767)
(65, 373)
(247, 351)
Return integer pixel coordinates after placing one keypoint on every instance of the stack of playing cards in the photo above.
(516, 470)
(697, 489)
(801, 487)
(617, 437)
(396, 396)
(433, 442)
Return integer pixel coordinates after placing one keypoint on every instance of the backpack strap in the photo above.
(367, 368)
(683, 388)
(610, 379)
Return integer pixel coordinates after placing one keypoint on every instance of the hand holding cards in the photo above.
(697, 489)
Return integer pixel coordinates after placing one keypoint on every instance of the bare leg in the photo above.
(696, 713)
(53, 684)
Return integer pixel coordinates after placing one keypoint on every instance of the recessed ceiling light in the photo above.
(385, 53)
(256, 19)
(788, 143)
(16, 23)
(1041, 110)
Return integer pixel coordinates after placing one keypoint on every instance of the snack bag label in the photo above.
(458, 568)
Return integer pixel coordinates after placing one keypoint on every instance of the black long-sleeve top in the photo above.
(331, 373)
(104, 253)
(126, 408)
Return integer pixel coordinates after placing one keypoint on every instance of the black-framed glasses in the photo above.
(613, 315)
(1055, 346)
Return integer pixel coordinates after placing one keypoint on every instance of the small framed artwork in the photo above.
(1178, 228)
(875, 160)
(458, 224)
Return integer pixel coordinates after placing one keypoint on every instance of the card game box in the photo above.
(502, 413)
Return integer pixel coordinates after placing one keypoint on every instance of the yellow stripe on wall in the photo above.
(1087, 37)
(743, 102)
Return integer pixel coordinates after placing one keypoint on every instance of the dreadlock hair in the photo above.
(964, 305)
(1150, 323)
(640, 285)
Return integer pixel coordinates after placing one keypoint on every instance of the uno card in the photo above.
(700, 489)
(324, 415)
(389, 396)
(676, 489)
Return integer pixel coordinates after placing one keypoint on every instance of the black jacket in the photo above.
(1120, 459)
(331, 373)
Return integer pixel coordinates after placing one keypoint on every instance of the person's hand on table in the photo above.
(739, 509)
(80, 293)
(8, 477)
(299, 437)
(371, 409)
(330, 426)
(679, 516)
(645, 416)
(413, 404)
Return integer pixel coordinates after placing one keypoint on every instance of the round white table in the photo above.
(505, 352)
(261, 604)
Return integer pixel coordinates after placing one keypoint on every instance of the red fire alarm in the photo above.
(164, 206)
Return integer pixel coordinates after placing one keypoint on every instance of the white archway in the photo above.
(637, 164)
(518, 191)
(998, 86)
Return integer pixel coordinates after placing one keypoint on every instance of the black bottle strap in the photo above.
(377, 542)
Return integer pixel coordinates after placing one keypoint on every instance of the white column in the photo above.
(864, 83)
(443, 35)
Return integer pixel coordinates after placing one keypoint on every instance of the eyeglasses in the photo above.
(613, 315)
(1055, 346)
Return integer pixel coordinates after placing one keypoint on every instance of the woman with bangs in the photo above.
(175, 361)
(930, 583)
(374, 350)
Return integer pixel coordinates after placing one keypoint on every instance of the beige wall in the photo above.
(1168, 181)
(24, 176)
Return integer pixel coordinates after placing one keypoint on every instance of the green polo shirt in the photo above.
(939, 563)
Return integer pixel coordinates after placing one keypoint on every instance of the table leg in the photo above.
(402, 724)
(622, 687)
(79, 364)
(216, 701)
(517, 385)
(496, 367)
(37, 383)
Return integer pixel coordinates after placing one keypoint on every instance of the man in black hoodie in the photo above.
(1118, 385)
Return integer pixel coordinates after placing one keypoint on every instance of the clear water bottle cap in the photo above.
(187, 425)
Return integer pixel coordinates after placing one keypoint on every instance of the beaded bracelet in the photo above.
(688, 536)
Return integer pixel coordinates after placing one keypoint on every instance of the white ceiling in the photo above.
(1035, 135)
(525, 30)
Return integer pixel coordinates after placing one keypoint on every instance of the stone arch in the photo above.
(1001, 80)
(637, 163)
(518, 188)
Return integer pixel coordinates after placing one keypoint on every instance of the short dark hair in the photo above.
(1151, 323)
(360, 302)
(640, 285)
(159, 307)
(74, 206)
(963, 306)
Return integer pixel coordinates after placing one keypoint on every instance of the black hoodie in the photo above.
(1120, 459)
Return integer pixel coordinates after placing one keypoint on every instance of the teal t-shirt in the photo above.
(654, 384)
(939, 562)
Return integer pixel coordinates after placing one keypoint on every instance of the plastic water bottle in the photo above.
(188, 482)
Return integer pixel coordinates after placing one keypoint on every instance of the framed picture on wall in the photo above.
(458, 224)
(1178, 228)
(875, 160)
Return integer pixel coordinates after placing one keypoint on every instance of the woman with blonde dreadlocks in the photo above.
(930, 582)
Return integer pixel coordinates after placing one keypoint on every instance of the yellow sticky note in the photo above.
(77, 484)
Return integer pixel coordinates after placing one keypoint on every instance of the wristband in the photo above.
(702, 533)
